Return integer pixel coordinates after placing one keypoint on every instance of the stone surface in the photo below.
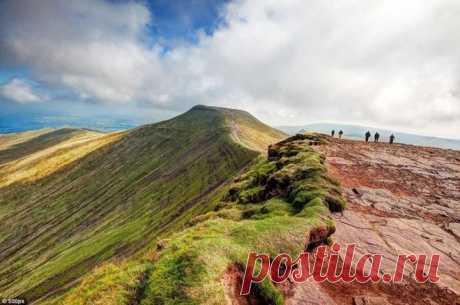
(454, 228)
(365, 300)
(402, 199)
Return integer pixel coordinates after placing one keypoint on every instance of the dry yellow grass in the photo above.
(45, 162)
(8, 140)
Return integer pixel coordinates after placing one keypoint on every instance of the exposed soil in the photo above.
(232, 280)
(402, 199)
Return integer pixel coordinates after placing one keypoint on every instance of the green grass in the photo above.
(176, 200)
(115, 201)
(191, 267)
(112, 283)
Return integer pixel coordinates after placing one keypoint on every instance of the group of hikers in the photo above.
(340, 133)
(367, 136)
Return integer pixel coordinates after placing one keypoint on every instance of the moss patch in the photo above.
(280, 204)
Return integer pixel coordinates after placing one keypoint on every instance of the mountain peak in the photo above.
(223, 110)
(203, 107)
(242, 127)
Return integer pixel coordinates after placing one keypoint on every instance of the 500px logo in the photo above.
(329, 266)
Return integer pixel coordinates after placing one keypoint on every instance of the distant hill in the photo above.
(357, 132)
(72, 198)
(19, 122)
(28, 156)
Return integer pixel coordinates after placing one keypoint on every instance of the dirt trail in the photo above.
(402, 199)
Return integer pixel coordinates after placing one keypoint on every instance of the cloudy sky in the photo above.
(392, 64)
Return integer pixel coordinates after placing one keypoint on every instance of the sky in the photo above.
(390, 64)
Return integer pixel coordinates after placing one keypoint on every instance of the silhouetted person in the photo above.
(332, 133)
(367, 135)
(392, 138)
(340, 134)
(376, 137)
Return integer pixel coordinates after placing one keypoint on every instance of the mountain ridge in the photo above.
(117, 198)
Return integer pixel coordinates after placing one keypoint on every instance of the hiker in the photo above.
(392, 138)
(367, 135)
(340, 133)
(376, 137)
(332, 133)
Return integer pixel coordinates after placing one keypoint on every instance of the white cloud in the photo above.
(391, 63)
(91, 47)
(18, 90)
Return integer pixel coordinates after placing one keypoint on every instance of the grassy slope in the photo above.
(248, 131)
(115, 200)
(27, 159)
(278, 205)
(19, 145)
